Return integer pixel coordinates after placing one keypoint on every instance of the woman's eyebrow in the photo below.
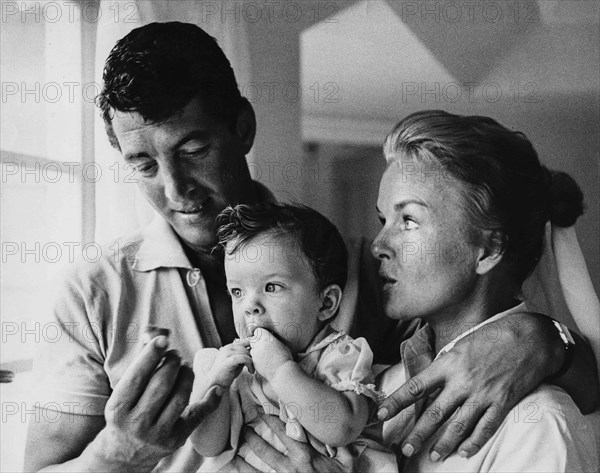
(400, 205)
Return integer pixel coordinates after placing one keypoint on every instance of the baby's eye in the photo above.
(235, 292)
(272, 287)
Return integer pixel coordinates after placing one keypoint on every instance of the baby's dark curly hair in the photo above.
(318, 238)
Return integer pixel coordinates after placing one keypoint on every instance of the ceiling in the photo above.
(375, 60)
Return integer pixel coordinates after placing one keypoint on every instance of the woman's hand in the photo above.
(268, 353)
(476, 384)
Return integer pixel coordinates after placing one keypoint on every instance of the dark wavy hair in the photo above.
(317, 237)
(157, 69)
(504, 187)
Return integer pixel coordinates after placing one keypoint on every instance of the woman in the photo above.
(473, 199)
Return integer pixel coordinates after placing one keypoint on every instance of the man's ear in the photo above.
(245, 126)
(331, 297)
(492, 252)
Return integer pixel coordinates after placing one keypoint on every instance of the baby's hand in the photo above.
(267, 352)
(230, 362)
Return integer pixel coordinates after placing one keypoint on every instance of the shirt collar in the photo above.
(417, 352)
(160, 246)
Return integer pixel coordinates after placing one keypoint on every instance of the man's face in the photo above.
(189, 167)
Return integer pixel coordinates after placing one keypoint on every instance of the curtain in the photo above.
(120, 208)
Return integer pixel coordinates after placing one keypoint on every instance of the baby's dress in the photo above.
(333, 358)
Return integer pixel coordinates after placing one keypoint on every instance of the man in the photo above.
(171, 105)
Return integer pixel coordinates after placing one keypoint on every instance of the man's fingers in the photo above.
(263, 450)
(428, 424)
(197, 412)
(456, 429)
(178, 399)
(410, 392)
(484, 430)
(277, 426)
(160, 386)
(238, 465)
(133, 383)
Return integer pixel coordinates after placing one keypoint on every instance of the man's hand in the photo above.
(230, 362)
(300, 457)
(268, 353)
(475, 385)
(147, 415)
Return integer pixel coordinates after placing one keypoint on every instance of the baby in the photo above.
(286, 267)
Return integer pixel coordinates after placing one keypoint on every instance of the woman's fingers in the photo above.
(428, 423)
(134, 381)
(417, 387)
(487, 425)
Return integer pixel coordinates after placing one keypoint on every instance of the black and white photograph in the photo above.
(356, 236)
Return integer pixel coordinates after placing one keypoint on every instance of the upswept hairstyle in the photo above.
(156, 70)
(503, 185)
(316, 236)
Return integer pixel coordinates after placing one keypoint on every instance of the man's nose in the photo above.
(178, 185)
(380, 247)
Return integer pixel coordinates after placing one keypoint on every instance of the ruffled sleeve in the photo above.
(345, 365)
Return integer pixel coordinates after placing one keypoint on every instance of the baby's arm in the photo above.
(211, 437)
(335, 418)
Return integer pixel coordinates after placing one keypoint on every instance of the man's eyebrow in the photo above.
(192, 135)
(134, 156)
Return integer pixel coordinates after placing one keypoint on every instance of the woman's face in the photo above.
(428, 265)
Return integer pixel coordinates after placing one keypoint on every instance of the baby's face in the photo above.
(272, 286)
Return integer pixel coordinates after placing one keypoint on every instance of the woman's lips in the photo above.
(387, 281)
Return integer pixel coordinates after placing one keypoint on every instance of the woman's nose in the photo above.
(380, 248)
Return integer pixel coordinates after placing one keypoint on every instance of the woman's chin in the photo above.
(395, 309)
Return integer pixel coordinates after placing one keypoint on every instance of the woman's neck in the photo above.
(488, 299)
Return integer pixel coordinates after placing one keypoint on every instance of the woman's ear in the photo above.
(245, 127)
(492, 252)
(331, 297)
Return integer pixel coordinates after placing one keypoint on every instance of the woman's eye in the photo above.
(235, 293)
(270, 287)
(410, 224)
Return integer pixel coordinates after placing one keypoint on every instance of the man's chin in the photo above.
(200, 240)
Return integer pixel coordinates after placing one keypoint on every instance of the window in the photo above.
(47, 162)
